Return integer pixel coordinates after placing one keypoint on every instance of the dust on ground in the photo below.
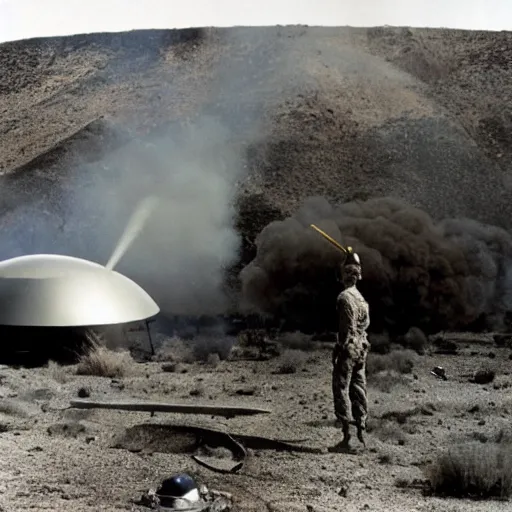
(58, 458)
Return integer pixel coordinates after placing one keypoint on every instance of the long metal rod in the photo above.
(227, 411)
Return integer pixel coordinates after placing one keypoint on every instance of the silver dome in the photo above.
(51, 290)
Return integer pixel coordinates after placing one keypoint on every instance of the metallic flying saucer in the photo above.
(51, 290)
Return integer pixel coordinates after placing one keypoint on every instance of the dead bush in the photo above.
(416, 340)
(473, 470)
(205, 346)
(102, 362)
(399, 361)
(213, 360)
(197, 350)
(174, 350)
(291, 361)
(58, 373)
(252, 337)
(297, 341)
(385, 381)
(387, 431)
(11, 407)
(255, 344)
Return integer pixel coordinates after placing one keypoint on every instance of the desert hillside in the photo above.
(397, 141)
(267, 117)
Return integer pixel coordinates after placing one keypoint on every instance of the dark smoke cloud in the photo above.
(445, 275)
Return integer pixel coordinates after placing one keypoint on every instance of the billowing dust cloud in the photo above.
(186, 242)
(189, 240)
(447, 275)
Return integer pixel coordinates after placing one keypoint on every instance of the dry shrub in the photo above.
(14, 408)
(252, 337)
(203, 347)
(416, 340)
(174, 350)
(102, 362)
(387, 431)
(255, 344)
(473, 470)
(58, 373)
(213, 360)
(199, 349)
(297, 341)
(291, 361)
(386, 381)
(399, 361)
(385, 371)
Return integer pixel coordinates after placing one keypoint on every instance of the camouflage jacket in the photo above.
(354, 319)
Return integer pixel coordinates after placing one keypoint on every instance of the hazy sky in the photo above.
(20, 19)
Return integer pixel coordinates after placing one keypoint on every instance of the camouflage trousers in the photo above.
(349, 388)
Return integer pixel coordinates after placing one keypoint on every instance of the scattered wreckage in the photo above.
(181, 492)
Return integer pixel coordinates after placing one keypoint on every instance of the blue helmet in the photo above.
(178, 485)
(181, 487)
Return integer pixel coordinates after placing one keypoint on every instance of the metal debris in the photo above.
(196, 499)
(439, 372)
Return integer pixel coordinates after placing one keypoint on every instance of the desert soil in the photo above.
(55, 458)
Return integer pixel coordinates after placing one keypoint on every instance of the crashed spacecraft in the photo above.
(52, 290)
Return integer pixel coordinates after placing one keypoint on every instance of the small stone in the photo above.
(246, 391)
(84, 393)
(174, 368)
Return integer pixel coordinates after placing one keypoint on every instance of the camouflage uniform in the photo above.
(349, 356)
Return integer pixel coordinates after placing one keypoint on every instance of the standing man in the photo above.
(349, 355)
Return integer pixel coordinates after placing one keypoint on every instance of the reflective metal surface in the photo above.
(62, 291)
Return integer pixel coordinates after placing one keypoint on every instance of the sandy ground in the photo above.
(55, 458)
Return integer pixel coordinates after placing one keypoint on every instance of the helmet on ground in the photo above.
(179, 492)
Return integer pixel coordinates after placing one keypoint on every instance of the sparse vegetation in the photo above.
(102, 362)
(399, 361)
(385, 381)
(198, 390)
(416, 340)
(200, 349)
(14, 408)
(473, 470)
(387, 431)
(256, 344)
(174, 349)
(204, 347)
(291, 361)
(297, 341)
(58, 373)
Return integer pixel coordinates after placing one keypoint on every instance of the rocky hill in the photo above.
(263, 118)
